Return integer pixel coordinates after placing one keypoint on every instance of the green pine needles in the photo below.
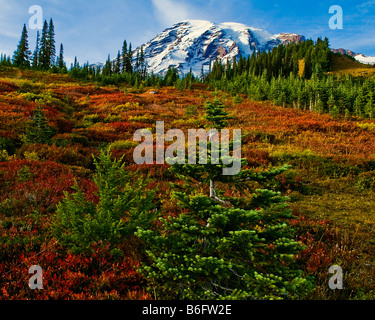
(124, 204)
(224, 247)
(217, 252)
(39, 130)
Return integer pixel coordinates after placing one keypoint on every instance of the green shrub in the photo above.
(124, 204)
(90, 119)
(122, 145)
(6, 207)
(112, 118)
(7, 145)
(191, 111)
(26, 86)
(24, 174)
(145, 119)
(4, 156)
(32, 155)
(39, 130)
(367, 126)
(366, 181)
(237, 99)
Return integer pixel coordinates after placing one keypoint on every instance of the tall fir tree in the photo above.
(118, 63)
(21, 57)
(60, 60)
(129, 60)
(124, 56)
(44, 57)
(142, 64)
(36, 51)
(107, 69)
(51, 43)
(136, 67)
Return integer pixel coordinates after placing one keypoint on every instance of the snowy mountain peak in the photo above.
(193, 44)
(364, 59)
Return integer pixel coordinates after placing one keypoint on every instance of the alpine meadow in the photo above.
(103, 186)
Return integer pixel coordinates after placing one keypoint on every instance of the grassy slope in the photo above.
(305, 140)
(345, 65)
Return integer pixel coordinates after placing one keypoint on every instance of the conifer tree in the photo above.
(332, 106)
(5, 61)
(308, 66)
(36, 51)
(60, 60)
(44, 57)
(137, 63)
(129, 60)
(51, 43)
(142, 64)
(124, 204)
(107, 70)
(240, 248)
(39, 130)
(359, 104)
(76, 64)
(124, 56)
(21, 58)
(47, 54)
(118, 63)
(370, 105)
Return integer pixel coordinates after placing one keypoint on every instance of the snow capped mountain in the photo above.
(364, 59)
(358, 56)
(192, 44)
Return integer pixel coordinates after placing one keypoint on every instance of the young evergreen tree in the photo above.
(39, 130)
(332, 106)
(60, 60)
(76, 64)
(107, 69)
(124, 204)
(21, 57)
(240, 248)
(359, 104)
(5, 60)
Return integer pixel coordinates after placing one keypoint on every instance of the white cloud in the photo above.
(364, 7)
(170, 12)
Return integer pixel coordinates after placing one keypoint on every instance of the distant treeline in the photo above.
(294, 75)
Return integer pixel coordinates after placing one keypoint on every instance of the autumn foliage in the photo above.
(85, 118)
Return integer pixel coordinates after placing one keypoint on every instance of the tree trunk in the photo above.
(212, 189)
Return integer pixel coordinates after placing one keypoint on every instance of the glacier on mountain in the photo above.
(193, 44)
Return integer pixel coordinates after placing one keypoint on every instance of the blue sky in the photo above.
(91, 30)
